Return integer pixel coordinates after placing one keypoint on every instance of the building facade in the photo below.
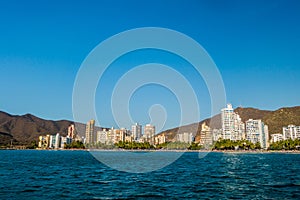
(185, 137)
(44, 142)
(149, 132)
(55, 141)
(90, 136)
(217, 134)
(160, 139)
(136, 131)
(232, 126)
(206, 138)
(257, 131)
(276, 137)
(65, 141)
(291, 132)
(72, 131)
(101, 136)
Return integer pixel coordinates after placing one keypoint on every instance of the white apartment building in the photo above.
(257, 131)
(149, 132)
(276, 137)
(291, 132)
(217, 134)
(55, 141)
(185, 137)
(136, 130)
(232, 126)
(102, 136)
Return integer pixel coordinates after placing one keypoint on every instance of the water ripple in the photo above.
(77, 175)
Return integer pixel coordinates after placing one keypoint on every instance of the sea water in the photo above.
(33, 174)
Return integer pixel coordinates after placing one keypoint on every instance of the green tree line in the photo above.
(285, 145)
(226, 144)
(75, 145)
(134, 145)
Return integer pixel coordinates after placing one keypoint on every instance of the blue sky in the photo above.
(255, 45)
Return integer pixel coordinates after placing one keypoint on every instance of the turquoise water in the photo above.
(78, 175)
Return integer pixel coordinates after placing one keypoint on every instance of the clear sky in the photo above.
(255, 45)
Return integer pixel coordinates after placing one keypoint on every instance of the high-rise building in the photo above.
(232, 126)
(111, 135)
(149, 132)
(90, 133)
(123, 133)
(257, 131)
(71, 131)
(291, 132)
(51, 141)
(205, 135)
(136, 130)
(55, 141)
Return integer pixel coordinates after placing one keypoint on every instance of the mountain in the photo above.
(274, 119)
(23, 129)
(26, 128)
(282, 117)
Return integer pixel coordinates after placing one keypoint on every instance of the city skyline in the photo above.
(252, 133)
(253, 43)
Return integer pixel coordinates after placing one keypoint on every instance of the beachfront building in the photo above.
(90, 137)
(160, 139)
(128, 138)
(136, 131)
(217, 134)
(55, 141)
(101, 136)
(257, 131)
(276, 137)
(232, 126)
(185, 137)
(291, 132)
(205, 135)
(149, 132)
(44, 141)
(106, 136)
(120, 135)
(111, 136)
(72, 131)
(64, 141)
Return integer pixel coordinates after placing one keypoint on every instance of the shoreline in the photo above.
(172, 150)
